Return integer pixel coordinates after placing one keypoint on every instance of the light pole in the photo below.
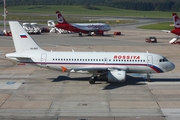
(5, 16)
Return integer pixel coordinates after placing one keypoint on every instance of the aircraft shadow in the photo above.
(64, 78)
(138, 81)
(165, 80)
(129, 81)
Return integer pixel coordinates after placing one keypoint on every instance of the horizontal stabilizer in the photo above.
(167, 31)
(17, 55)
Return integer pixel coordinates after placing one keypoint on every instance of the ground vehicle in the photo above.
(32, 28)
(54, 29)
(151, 40)
(37, 30)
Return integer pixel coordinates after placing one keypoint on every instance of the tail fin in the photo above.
(176, 21)
(22, 40)
(60, 18)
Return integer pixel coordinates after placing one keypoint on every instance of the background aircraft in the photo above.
(176, 29)
(86, 28)
(114, 65)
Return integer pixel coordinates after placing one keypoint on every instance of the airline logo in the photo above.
(177, 21)
(95, 26)
(23, 35)
(60, 18)
(127, 57)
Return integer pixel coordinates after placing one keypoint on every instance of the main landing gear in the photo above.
(80, 34)
(92, 80)
(148, 77)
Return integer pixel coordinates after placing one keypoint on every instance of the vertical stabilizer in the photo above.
(60, 18)
(176, 21)
(22, 40)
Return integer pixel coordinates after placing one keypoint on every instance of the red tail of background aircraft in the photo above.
(60, 18)
(176, 21)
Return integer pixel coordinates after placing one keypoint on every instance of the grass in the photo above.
(158, 26)
(69, 18)
(42, 18)
(80, 10)
(74, 14)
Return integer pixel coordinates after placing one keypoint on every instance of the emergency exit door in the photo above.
(43, 59)
(149, 60)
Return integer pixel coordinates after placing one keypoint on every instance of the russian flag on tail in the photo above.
(23, 35)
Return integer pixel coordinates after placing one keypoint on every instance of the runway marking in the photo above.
(9, 85)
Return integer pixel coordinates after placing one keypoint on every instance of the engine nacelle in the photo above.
(116, 76)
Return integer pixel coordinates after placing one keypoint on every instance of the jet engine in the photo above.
(116, 76)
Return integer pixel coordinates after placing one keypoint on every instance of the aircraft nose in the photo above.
(171, 66)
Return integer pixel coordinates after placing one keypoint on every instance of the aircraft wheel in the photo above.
(148, 78)
(91, 81)
(80, 34)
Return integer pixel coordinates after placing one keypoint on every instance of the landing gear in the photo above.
(92, 80)
(80, 34)
(148, 77)
(89, 34)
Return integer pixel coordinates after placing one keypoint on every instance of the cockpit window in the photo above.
(163, 60)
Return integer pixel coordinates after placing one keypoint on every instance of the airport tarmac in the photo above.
(32, 93)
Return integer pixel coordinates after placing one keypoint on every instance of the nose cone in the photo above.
(170, 66)
(109, 28)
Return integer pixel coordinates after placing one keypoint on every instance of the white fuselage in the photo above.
(92, 26)
(94, 61)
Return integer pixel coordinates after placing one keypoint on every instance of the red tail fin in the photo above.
(60, 18)
(176, 21)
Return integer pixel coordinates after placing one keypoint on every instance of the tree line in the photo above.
(143, 5)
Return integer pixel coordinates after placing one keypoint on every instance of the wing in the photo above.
(97, 70)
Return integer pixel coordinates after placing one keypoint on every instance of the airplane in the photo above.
(86, 28)
(176, 29)
(114, 65)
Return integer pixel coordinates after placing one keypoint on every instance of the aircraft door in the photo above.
(149, 60)
(43, 59)
(105, 60)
